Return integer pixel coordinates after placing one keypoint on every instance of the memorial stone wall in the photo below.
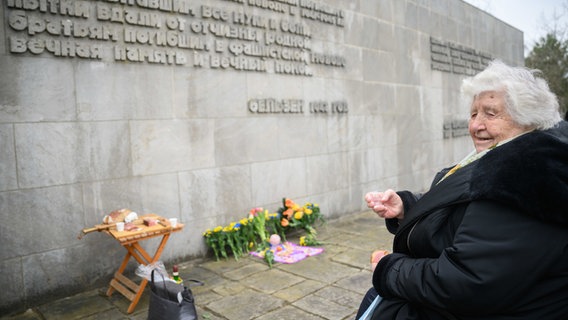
(203, 109)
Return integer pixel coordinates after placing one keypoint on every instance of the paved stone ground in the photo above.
(328, 286)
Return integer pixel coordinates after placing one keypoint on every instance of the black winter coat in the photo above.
(488, 242)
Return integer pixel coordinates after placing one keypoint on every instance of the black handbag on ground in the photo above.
(170, 300)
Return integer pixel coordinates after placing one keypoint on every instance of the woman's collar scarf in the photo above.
(529, 172)
(474, 155)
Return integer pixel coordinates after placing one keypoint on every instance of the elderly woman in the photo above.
(489, 240)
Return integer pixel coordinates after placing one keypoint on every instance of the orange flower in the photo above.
(288, 213)
(284, 222)
(289, 203)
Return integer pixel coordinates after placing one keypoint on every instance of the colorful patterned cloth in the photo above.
(289, 252)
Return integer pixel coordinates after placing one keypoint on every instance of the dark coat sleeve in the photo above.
(498, 256)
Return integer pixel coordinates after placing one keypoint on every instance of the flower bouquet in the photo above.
(255, 230)
(294, 216)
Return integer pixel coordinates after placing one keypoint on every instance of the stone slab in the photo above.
(323, 307)
(76, 307)
(248, 304)
(290, 313)
(299, 290)
(279, 280)
(310, 269)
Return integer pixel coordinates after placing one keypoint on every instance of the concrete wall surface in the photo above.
(204, 109)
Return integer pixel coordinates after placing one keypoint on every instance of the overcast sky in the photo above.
(533, 17)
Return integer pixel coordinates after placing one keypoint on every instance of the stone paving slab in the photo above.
(354, 257)
(340, 296)
(357, 281)
(321, 269)
(73, 307)
(290, 313)
(247, 304)
(324, 307)
(328, 286)
(246, 271)
(279, 280)
(299, 290)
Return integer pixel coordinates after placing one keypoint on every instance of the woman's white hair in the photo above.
(528, 98)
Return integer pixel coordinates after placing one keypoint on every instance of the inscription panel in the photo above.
(275, 106)
(455, 128)
(270, 36)
(450, 57)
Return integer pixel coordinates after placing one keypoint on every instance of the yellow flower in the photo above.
(303, 241)
(298, 215)
(218, 229)
(227, 228)
(308, 211)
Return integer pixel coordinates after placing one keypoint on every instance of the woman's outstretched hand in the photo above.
(386, 204)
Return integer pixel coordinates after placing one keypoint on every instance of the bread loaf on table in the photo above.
(116, 216)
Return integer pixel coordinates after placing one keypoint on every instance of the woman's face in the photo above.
(489, 121)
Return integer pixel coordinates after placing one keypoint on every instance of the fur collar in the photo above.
(530, 173)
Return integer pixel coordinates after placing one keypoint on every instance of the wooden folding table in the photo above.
(130, 240)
